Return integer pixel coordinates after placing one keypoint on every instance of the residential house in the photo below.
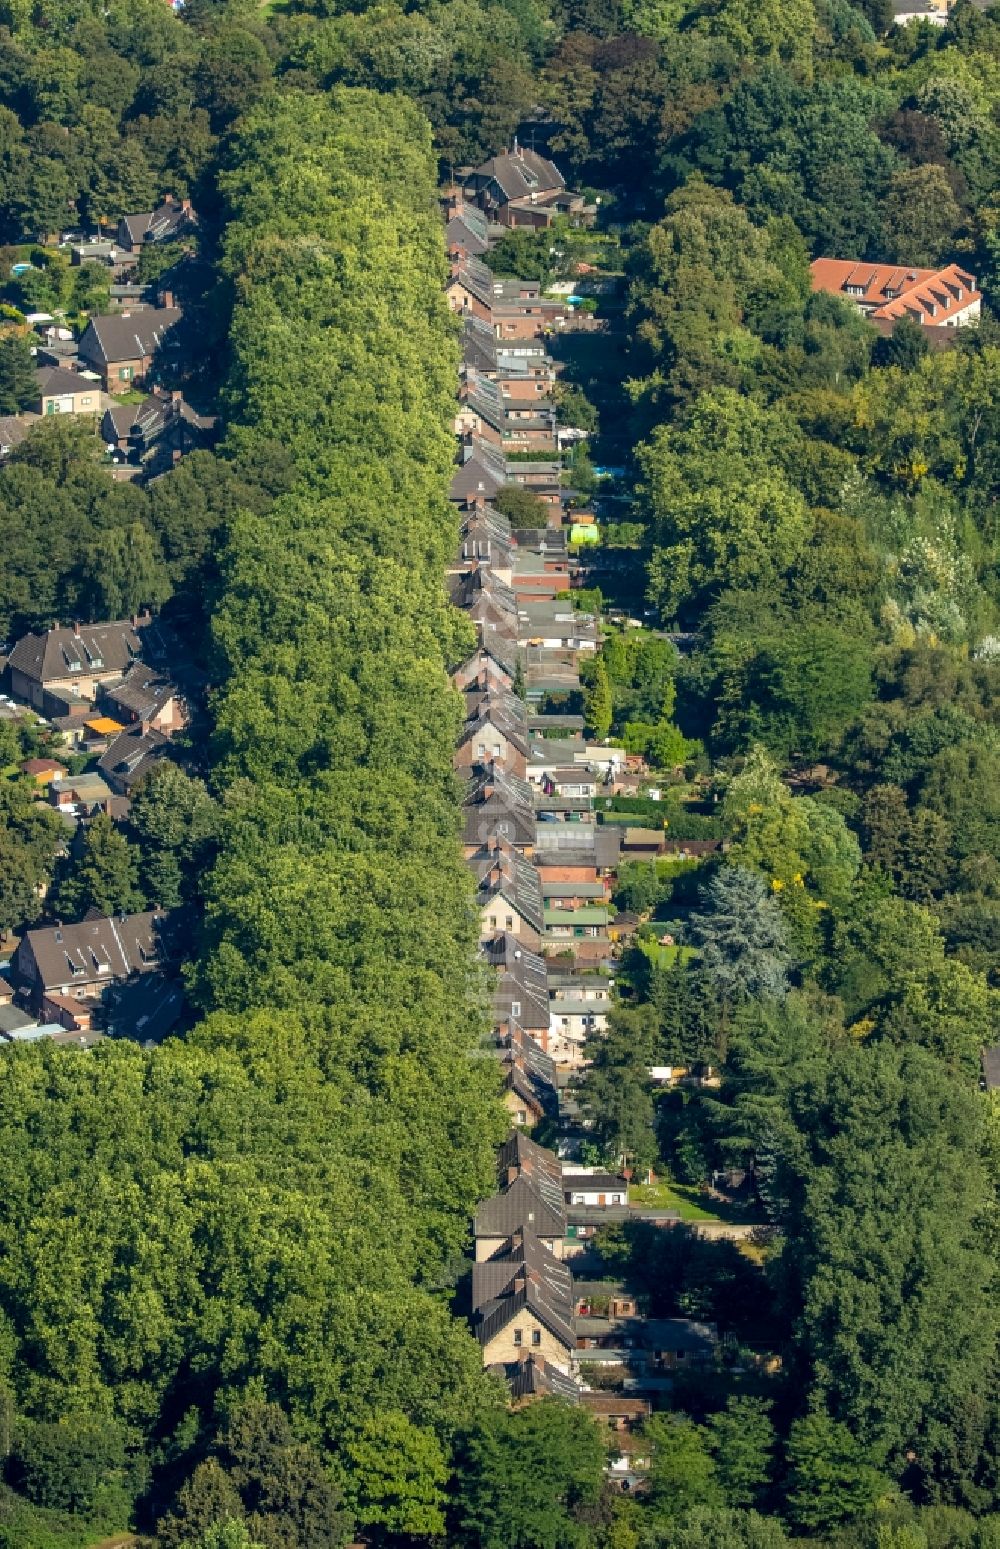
(522, 1301)
(43, 771)
(531, 1091)
(467, 234)
(497, 810)
(147, 698)
(6, 993)
(470, 289)
(603, 1298)
(492, 665)
(73, 661)
(520, 991)
(533, 1378)
(169, 222)
(557, 626)
(565, 852)
(79, 794)
(497, 734)
(66, 392)
(480, 345)
(131, 756)
(486, 543)
(81, 960)
(521, 188)
(592, 1186)
(124, 348)
(519, 1207)
(666, 1344)
(939, 298)
(147, 1009)
(481, 475)
(154, 435)
(529, 1197)
(487, 601)
(509, 896)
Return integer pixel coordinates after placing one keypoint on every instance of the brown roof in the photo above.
(520, 173)
(86, 648)
(93, 953)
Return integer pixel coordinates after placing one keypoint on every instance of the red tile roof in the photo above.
(893, 290)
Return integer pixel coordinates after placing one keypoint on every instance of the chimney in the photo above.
(176, 396)
(185, 204)
(167, 298)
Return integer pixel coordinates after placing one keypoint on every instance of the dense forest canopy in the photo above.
(228, 1266)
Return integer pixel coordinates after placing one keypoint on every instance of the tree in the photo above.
(683, 1470)
(921, 216)
(289, 1500)
(64, 1464)
(721, 507)
(831, 1480)
(521, 506)
(17, 374)
(904, 348)
(714, 1527)
(125, 573)
(527, 1479)
(107, 875)
(176, 824)
(205, 1502)
(743, 1443)
(615, 1093)
(395, 1476)
(741, 936)
(598, 706)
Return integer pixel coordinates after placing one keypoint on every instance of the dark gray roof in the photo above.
(672, 1334)
(148, 1009)
(525, 1274)
(163, 224)
(504, 720)
(61, 651)
(587, 1182)
(519, 1208)
(991, 1067)
(511, 877)
(479, 344)
(535, 1378)
(482, 473)
(127, 336)
(522, 979)
(54, 381)
(131, 756)
(142, 692)
(498, 806)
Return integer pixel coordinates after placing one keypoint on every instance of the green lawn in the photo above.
(662, 957)
(672, 1196)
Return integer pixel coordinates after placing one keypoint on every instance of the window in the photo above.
(86, 402)
(517, 1336)
(515, 1008)
(510, 922)
(536, 1337)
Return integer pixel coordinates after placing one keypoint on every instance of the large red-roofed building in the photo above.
(937, 298)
